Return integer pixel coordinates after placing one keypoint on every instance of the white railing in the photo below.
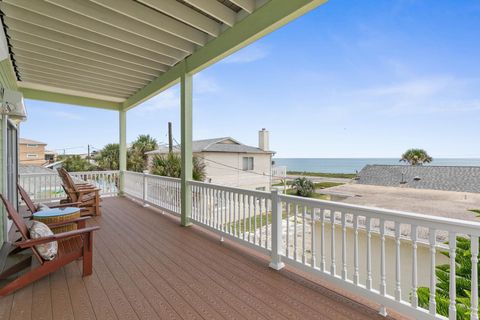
(279, 172)
(106, 181)
(384, 255)
(46, 187)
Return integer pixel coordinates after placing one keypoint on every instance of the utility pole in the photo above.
(88, 152)
(170, 138)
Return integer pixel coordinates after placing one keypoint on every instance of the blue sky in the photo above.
(366, 78)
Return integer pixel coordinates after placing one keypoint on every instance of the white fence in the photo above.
(279, 172)
(364, 250)
(48, 186)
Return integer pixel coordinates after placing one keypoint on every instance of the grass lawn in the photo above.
(315, 195)
(324, 185)
(250, 223)
(323, 174)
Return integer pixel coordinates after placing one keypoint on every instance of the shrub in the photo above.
(303, 187)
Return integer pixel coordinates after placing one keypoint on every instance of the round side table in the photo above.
(58, 215)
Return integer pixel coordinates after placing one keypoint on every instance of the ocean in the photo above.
(352, 165)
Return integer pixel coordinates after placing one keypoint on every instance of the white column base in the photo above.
(277, 265)
(383, 311)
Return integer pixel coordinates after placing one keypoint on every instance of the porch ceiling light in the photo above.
(12, 105)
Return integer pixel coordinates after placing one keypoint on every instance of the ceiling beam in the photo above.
(269, 17)
(46, 66)
(26, 69)
(22, 10)
(106, 16)
(155, 19)
(67, 96)
(45, 50)
(82, 67)
(137, 64)
(216, 10)
(100, 47)
(247, 5)
(185, 14)
(73, 85)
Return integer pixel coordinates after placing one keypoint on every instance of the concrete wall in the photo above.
(227, 169)
(423, 259)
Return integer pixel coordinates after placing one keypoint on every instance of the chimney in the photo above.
(263, 139)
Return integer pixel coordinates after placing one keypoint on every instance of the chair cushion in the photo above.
(42, 207)
(48, 251)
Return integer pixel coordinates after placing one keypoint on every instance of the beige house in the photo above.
(228, 162)
(31, 152)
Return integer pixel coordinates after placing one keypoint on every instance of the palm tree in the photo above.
(108, 157)
(137, 159)
(170, 165)
(416, 157)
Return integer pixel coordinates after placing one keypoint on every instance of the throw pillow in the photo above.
(48, 251)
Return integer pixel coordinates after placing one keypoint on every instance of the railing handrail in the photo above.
(263, 194)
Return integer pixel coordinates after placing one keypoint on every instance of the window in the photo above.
(247, 163)
(32, 155)
(32, 145)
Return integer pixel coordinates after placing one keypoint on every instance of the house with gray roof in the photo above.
(231, 163)
(447, 178)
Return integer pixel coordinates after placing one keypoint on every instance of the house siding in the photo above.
(226, 169)
(25, 150)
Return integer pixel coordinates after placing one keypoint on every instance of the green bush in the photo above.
(463, 274)
(303, 187)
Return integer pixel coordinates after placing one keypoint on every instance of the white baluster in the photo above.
(249, 208)
(414, 266)
(356, 273)
(344, 246)
(235, 214)
(398, 290)
(322, 239)
(433, 251)
(244, 217)
(313, 239)
(304, 235)
(295, 233)
(474, 288)
(452, 308)
(261, 221)
(332, 243)
(383, 278)
(254, 199)
(287, 234)
(369, 253)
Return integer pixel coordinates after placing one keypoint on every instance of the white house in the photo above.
(231, 163)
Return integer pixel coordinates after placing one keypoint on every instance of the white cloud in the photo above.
(67, 115)
(248, 54)
(204, 84)
(165, 100)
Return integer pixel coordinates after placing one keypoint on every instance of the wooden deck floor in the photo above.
(148, 267)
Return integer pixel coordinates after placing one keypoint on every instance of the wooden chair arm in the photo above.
(78, 221)
(86, 191)
(59, 236)
(63, 205)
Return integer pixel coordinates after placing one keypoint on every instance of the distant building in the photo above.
(31, 152)
(229, 162)
(447, 178)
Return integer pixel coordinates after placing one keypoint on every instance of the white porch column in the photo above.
(186, 145)
(123, 148)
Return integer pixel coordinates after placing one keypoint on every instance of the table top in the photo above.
(56, 212)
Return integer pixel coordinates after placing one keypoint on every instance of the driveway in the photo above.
(439, 203)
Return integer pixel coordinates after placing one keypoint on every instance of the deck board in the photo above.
(148, 267)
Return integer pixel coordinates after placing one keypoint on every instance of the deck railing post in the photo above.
(123, 150)
(276, 237)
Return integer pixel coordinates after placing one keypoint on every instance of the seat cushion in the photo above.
(48, 251)
(42, 207)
